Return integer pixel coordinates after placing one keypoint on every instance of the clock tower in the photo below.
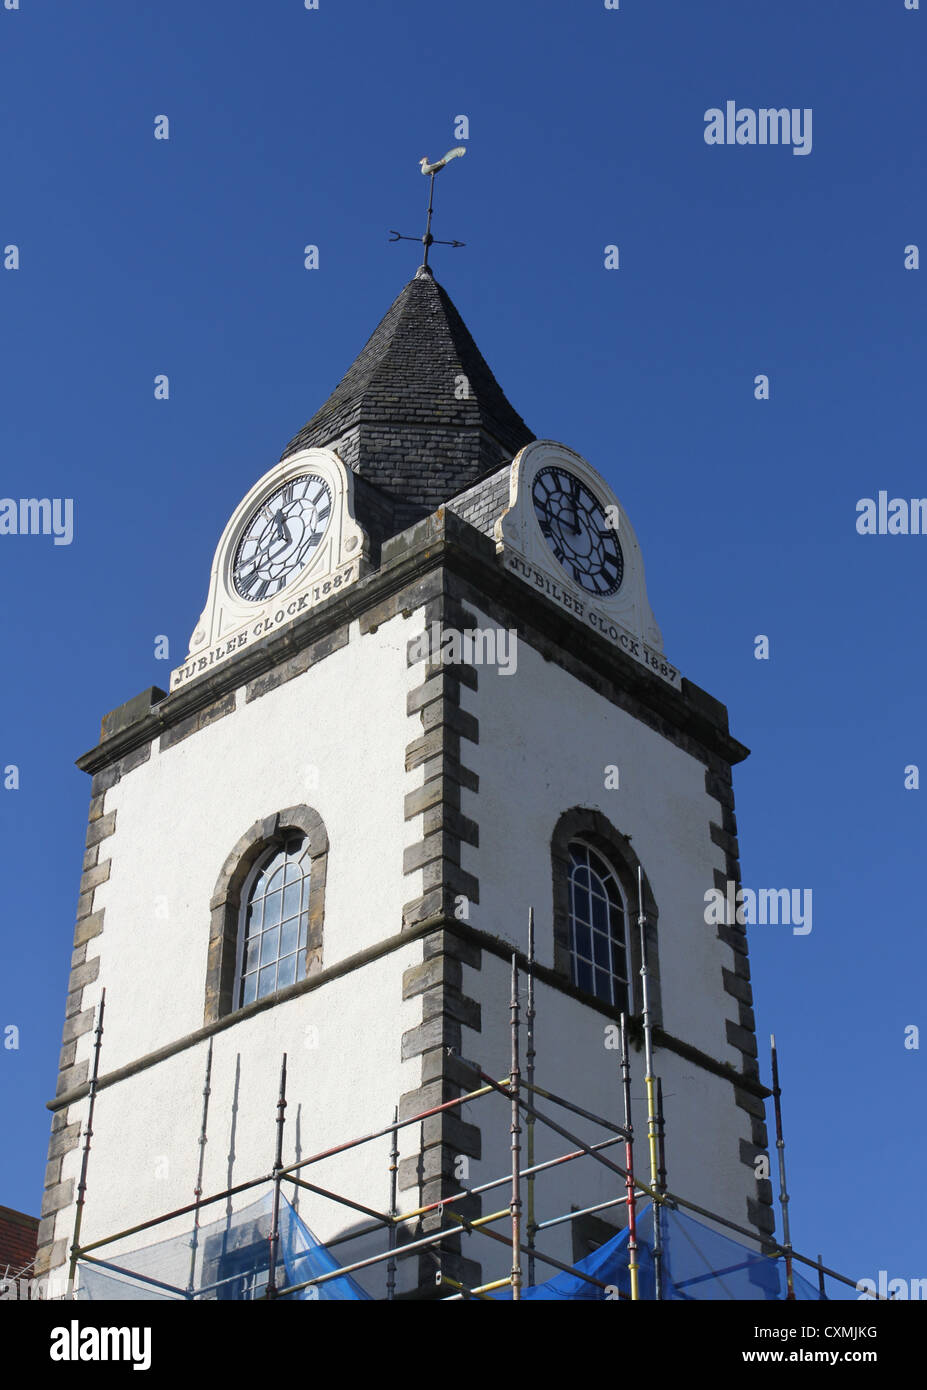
(426, 693)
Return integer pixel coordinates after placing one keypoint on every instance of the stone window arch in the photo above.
(588, 827)
(227, 918)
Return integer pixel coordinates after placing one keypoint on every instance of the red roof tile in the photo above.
(18, 1239)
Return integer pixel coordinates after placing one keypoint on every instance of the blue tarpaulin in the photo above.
(305, 1257)
(698, 1265)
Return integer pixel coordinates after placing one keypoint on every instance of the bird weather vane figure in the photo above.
(428, 240)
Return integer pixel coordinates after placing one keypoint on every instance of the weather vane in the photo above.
(428, 240)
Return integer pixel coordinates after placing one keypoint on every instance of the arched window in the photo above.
(274, 922)
(599, 959)
(597, 944)
(267, 912)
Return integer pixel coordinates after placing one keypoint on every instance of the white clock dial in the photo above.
(281, 537)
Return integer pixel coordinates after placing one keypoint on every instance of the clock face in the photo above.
(281, 537)
(576, 528)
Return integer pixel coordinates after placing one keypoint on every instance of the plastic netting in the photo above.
(228, 1258)
(698, 1265)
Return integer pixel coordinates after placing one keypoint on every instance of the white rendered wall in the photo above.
(545, 742)
(333, 738)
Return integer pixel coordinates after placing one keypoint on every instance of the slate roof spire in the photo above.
(419, 415)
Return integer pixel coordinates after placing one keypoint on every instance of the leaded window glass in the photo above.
(244, 1275)
(276, 922)
(598, 928)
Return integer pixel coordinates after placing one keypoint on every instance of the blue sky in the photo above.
(184, 257)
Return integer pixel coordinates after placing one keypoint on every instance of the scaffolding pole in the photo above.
(661, 1135)
(529, 1127)
(516, 1140)
(577, 1109)
(583, 1211)
(481, 1291)
(783, 1192)
(393, 1208)
(661, 1184)
(387, 1129)
(198, 1185)
(629, 1160)
(649, 1084)
(85, 1159)
(274, 1238)
(382, 1218)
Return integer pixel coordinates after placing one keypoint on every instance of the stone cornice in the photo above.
(441, 540)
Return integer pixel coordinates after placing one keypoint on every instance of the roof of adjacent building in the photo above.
(18, 1239)
(418, 415)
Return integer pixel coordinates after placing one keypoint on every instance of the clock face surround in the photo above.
(575, 526)
(281, 537)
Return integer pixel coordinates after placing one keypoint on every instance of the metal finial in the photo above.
(432, 169)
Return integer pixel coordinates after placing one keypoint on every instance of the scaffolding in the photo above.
(628, 1268)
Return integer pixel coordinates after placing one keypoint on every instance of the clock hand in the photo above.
(566, 525)
(574, 502)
